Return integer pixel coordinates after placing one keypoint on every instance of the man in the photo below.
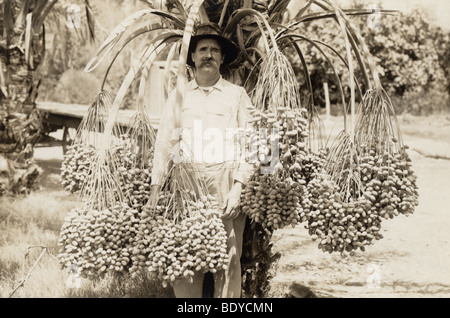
(212, 108)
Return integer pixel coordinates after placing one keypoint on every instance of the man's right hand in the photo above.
(154, 196)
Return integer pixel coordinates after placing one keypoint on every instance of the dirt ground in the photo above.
(413, 258)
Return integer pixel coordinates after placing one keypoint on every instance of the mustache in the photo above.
(208, 59)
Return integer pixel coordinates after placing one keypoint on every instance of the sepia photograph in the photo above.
(244, 150)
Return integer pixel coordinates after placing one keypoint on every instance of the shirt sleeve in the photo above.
(245, 169)
(163, 143)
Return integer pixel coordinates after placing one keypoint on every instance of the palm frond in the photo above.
(297, 37)
(90, 19)
(365, 50)
(180, 8)
(241, 14)
(8, 22)
(40, 13)
(123, 44)
(127, 24)
(222, 14)
(20, 18)
(140, 101)
(241, 44)
(147, 57)
(277, 10)
(340, 18)
(297, 12)
(327, 14)
(168, 68)
(304, 66)
(28, 39)
(3, 80)
(182, 77)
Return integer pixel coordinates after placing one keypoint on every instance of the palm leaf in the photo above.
(348, 48)
(8, 22)
(327, 14)
(259, 31)
(147, 58)
(301, 10)
(367, 54)
(241, 44)
(180, 8)
(278, 9)
(124, 43)
(224, 10)
(90, 19)
(293, 38)
(3, 81)
(167, 69)
(40, 12)
(182, 78)
(125, 25)
(305, 71)
(28, 39)
(20, 18)
(343, 60)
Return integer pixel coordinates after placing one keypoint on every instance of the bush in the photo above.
(75, 87)
(423, 102)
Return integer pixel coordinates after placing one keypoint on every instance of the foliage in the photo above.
(22, 50)
(74, 87)
(65, 61)
(423, 103)
(410, 53)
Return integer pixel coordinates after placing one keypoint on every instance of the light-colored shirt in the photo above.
(211, 128)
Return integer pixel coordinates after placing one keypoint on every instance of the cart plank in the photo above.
(70, 115)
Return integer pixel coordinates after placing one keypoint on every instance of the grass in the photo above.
(33, 220)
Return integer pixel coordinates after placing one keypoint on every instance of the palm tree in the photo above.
(268, 35)
(22, 51)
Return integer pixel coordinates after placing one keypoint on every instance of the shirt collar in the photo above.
(219, 84)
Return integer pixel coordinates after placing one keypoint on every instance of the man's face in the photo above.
(208, 56)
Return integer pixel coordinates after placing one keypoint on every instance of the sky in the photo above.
(438, 11)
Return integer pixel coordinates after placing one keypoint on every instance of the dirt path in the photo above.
(413, 258)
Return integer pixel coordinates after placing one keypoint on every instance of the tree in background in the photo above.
(64, 80)
(22, 51)
(411, 56)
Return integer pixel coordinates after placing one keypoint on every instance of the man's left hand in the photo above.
(231, 204)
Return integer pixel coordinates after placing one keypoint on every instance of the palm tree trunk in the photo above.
(21, 53)
(20, 128)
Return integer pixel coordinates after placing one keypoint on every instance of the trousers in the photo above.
(219, 179)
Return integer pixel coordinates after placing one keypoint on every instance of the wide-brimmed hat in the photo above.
(212, 31)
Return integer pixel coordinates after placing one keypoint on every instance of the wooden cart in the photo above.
(67, 118)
